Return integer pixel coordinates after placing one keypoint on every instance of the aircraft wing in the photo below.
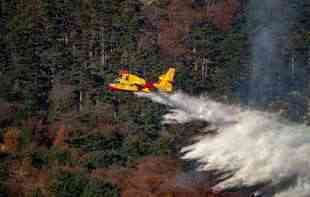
(133, 79)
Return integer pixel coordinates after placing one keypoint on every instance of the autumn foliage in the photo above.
(222, 13)
(181, 15)
(160, 177)
(11, 139)
(25, 180)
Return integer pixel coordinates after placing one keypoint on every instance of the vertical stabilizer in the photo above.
(165, 81)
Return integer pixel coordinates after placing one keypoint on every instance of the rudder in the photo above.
(168, 76)
(166, 80)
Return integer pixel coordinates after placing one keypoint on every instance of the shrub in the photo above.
(78, 185)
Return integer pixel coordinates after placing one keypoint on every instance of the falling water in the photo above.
(254, 146)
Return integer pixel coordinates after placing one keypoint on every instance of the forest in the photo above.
(63, 133)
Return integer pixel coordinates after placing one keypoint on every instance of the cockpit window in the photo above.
(116, 80)
(125, 77)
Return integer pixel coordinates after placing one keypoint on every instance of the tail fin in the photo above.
(168, 76)
(165, 81)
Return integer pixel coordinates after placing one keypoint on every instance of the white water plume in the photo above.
(257, 147)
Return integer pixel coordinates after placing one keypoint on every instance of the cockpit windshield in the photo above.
(117, 80)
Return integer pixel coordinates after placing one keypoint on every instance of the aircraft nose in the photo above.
(111, 87)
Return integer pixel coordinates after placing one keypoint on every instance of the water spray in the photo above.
(255, 147)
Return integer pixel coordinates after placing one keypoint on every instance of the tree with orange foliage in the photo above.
(11, 140)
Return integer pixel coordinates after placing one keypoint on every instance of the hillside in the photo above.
(63, 133)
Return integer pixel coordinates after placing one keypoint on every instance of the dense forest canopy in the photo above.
(81, 42)
(57, 57)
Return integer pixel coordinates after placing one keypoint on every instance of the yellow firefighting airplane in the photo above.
(133, 83)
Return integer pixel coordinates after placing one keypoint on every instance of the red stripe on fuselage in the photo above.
(149, 85)
(114, 89)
